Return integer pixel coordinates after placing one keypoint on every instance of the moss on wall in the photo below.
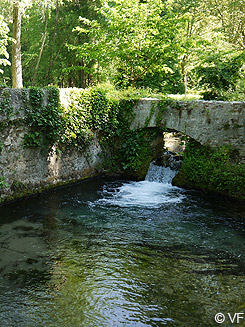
(217, 170)
(54, 145)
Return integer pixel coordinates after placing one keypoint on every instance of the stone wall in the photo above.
(214, 123)
(30, 170)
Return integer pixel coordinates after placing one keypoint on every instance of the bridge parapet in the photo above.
(213, 123)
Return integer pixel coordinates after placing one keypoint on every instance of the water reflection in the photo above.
(81, 256)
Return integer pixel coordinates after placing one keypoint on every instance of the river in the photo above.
(106, 253)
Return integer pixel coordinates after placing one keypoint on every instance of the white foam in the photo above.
(154, 192)
(143, 194)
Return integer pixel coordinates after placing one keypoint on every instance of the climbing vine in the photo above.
(129, 149)
(5, 102)
(5, 108)
(91, 113)
(45, 121)
(163, 104)
(152, 111)
(132, 152)
(3, 183)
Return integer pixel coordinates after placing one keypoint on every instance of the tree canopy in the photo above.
(4, 55)
(135, 36)
(166, 45)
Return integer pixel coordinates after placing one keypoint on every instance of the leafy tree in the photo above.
(220, 75)
(4, 56)
(192, 35)
(197, 37)
(231, 15)
(135, 35)
(19, 7)
(50, 31)
(167, 45)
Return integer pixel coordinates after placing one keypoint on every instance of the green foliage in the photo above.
(4, 55)
(239, 93)
(219, 76)
(58, 65)
(230, 15)
(90, 113)
(32, 140)
(103, 113)
(46, 122)
(134, 36)
(168, 46)
(5, 108)
(5, 102)
(107, 115)
(129, 93)
(3, 183)
(214, 170)
(164, 81)
(36, 96)
(124, 144)
(131, 151)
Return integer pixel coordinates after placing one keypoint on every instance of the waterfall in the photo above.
(156, 190)
(160, 174)
(164, 168)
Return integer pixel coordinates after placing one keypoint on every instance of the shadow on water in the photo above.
(121, 253)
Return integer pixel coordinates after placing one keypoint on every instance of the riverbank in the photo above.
(220, 171)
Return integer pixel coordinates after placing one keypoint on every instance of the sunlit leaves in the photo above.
(231, 14)
(3, 43)
(133, 34)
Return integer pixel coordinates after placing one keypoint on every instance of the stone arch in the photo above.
(213, 123)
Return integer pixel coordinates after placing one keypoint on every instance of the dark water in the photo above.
(111, 254)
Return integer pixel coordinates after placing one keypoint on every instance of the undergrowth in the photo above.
(217, 170)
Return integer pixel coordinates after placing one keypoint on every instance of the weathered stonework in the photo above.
(214, 123)
(30, 170)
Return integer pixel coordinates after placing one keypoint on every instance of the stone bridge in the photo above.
(213, 123)
(32, 170)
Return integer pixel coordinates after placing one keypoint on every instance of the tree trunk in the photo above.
(16, 49)
(41, 49)
(98, 72)
(185, 84)
(90, 79)
(51, 60)
(184, 74)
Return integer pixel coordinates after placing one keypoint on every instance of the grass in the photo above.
(189, 97)
(115, 93)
